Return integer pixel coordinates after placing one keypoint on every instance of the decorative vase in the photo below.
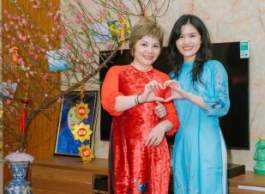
(18, 163)
(259, 156)
(18, 184)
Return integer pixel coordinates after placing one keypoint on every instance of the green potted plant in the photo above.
(259, 157)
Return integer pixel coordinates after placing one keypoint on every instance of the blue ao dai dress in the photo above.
(199, 153)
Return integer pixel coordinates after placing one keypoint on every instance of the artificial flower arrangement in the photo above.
(35, 58)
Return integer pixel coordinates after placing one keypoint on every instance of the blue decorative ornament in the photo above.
(142, 187)
(57, 60)
(7, 89)
(18, 184)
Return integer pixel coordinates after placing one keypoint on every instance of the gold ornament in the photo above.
(82, 111)
(82, 132)
(86, 153)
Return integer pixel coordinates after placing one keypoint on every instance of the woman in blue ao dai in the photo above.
(199, 87)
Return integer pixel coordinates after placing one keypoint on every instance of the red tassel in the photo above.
(14, 54)
(22, 121)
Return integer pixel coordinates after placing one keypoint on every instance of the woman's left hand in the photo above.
(155, 136)
(160, 110)
(176, 91)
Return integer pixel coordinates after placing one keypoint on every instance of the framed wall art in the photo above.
(76, 124)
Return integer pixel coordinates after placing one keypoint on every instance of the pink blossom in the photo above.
(50, 14)
(109, 45)
(13, 39)
(57, 16)
(31, 73)
(46, 38)
(36, 4)
(21, 61)
(30, 52)
(79, 18)
(87, 53)
(7, 102)
(24, 21)
(5, 12)
(45, 76)
(22, 37)
(6, 27)
(59, 100)
(68, 46)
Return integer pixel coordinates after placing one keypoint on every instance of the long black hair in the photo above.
(203, 54)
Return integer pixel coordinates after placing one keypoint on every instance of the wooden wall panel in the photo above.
(43, 129)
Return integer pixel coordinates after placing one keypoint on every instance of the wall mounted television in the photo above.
(235, 125)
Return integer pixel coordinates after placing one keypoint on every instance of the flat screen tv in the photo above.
(235, 125)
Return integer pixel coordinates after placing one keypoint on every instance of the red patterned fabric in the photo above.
(134, 167)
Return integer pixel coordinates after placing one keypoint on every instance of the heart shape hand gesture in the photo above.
(176, 91)
(149, 91)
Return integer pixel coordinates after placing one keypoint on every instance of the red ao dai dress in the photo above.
(134, 167)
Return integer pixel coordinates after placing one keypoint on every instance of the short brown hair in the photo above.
(146, 27)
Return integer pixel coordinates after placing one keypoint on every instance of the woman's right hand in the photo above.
(177, 92)
(149, 92)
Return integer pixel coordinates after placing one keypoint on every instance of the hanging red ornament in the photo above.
(23, 116)
(22, 121)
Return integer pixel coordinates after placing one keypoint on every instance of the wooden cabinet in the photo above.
(248, 183)
(66, 175)
(63, 175)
